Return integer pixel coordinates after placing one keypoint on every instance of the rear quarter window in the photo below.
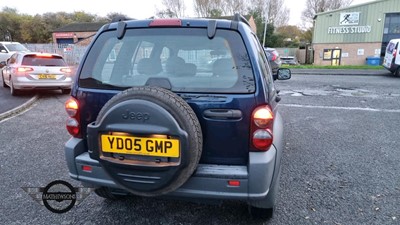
(185, 57)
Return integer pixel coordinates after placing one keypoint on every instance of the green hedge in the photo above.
(333, 67)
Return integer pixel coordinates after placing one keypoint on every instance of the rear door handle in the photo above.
(223, 114)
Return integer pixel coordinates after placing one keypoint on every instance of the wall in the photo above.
(71, 53)
(371, 16)
(84, 37)
(351, 52)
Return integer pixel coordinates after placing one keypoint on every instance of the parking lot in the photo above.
(340, 164)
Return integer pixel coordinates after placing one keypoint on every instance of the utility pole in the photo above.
(266, 15)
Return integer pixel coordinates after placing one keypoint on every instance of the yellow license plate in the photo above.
(140, 146)
(47, 76)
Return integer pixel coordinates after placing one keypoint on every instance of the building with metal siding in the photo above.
(349, 36)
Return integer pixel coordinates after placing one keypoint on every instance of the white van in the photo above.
(392, 57)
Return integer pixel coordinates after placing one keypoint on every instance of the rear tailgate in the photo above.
(225, 126)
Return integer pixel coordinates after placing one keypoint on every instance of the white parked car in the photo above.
(9, 48)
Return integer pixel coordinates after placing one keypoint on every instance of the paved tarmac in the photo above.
(13, 104)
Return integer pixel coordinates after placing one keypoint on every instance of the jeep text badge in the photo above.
(139, 116)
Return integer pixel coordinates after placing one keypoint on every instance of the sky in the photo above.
(135, 9)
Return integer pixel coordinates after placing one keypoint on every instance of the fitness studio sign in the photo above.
(348, 24)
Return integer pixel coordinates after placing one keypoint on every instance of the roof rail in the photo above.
(120, 18)
(239, 18)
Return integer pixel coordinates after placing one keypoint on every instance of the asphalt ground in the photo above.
(8, 102)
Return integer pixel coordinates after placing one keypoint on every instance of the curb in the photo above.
(340, 72)
(20, 108)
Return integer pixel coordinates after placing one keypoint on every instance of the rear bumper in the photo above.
(208, 181)
(23, 83)
(390, 65)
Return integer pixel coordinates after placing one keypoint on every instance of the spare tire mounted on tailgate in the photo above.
(148, 140)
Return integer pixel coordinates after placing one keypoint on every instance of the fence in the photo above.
(72, 53)
(304, 55)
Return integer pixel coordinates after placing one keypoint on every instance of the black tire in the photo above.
(2, 78)
(13, 91)
(261, 213)
(107, 193)
(65, 91)
(397, 72)
(159, 102)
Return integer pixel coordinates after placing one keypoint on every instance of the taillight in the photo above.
(261, 128)
(166, 22)
(72, 124)
(394, 52)
(44, 55)
(24, 69)
(273, 57)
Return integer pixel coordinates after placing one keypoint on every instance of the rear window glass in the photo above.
(186, 58)
(34, 60)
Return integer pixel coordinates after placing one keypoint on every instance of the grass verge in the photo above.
(358, 67)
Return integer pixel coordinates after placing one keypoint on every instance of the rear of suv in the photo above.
(184, 108)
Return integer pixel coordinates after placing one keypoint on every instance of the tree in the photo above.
(230, 7)
(307, 35)
(208, 8)
(81, 16)
(290, 34)
(10, 24)
(34, 30)
(258, 20)
(39, 28)
(166, 14)
(278, 13)
(314, 7)
(110, 16)
(174, 8)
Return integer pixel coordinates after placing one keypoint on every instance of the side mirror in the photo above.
(2, 64)
(284, 74)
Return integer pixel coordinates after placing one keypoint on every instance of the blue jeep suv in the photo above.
(185, 108)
